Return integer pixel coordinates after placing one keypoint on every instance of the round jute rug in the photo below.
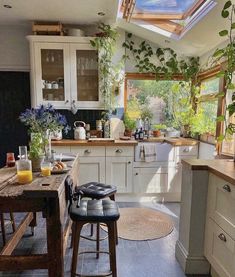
(143, 224)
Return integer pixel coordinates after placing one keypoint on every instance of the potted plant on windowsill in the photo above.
(130, 125)
(41, 122)
(157, 129)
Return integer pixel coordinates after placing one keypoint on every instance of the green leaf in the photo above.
(233, 25)
(93, 44)
(125, 45)
(218, 52)
(225, 13)
(220, 118)
(231, 86)
(227, 5)
(220, 94)
(220, 138)
(223, 33)
(220, 74)
(129, 35)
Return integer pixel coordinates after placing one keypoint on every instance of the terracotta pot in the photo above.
(156, 133)
(128, 133)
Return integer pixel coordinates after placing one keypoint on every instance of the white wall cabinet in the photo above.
(64, 72)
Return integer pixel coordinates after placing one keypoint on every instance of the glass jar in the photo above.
(24, 167)
(10, 161)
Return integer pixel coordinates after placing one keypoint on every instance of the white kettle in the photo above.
(79, 130)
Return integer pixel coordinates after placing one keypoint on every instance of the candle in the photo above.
(24, 176)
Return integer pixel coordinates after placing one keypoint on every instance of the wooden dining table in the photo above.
(48, 196)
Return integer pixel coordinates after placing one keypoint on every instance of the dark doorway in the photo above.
(14, 99)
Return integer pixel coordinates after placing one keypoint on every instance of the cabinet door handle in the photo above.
(129, 162)
(66, 101)
(119, 151)
(137, 173)
(87, 151)
(222, 237)
(227, 188)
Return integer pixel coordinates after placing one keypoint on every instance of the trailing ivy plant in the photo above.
(164, 62)
(109, 74)
(227, 55)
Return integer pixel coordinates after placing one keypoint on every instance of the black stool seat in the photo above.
(95, 211)
(96, 190)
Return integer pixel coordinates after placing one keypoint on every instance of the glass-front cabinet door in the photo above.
(53, 74)
(85, 77)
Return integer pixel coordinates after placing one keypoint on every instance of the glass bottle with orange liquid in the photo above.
(45, 168)
(24, 167)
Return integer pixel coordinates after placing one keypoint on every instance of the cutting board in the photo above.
(117, 128)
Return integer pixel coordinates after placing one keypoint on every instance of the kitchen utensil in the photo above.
(79, 130)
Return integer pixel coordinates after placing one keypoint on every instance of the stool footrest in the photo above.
(93, 239)
(94, 275)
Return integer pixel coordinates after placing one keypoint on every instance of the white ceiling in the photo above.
(200, 39)
(66, 11)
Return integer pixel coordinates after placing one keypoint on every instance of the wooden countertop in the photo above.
(172, 141)
(222, 168)
(71, 142)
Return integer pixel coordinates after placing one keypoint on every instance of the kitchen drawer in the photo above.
(186, 150)
(88, 151)
(221, 203)
(61, 149)
(120, 151)
(150, 180)
(219, 249)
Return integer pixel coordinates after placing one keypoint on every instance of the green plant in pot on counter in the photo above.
(130, 125)
(41, 122)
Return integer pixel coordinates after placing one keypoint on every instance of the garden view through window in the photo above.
(167, 104)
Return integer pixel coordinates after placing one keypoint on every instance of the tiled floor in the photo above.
(155, 258)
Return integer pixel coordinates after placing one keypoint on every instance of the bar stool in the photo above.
(2, 220)
(94, 211)
(95, 190)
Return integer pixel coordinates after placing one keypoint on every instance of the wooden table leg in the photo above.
(33, 223)
(3, 228)
(54, 239)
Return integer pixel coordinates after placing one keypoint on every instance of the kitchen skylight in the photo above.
(172, 18)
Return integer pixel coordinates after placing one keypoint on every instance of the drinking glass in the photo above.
(10, 162)
(46, 168)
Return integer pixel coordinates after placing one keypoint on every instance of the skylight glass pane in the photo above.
(164, 6)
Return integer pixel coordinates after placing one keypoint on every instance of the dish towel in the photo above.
(150, 152)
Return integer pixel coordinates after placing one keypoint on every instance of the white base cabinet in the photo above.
(220, 226)
(91, 169)
(111, 164)
(119, 173)
(150, 180)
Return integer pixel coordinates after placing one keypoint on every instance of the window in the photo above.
(173, 16)
(208, 106)
(155, 100)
